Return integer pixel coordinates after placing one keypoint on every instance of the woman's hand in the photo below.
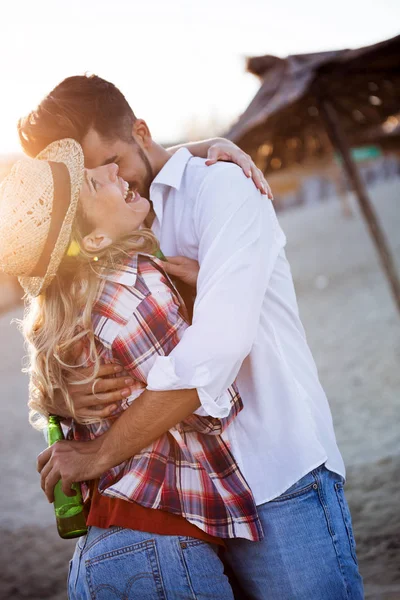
(216, 149)
(96, 399)
(185, 269)
(228, 151)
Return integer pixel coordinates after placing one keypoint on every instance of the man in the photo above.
(245, 326)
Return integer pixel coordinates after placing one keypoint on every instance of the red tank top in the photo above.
(105, 512)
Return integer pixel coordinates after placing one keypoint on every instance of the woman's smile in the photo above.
(132, 197)
(110, 205)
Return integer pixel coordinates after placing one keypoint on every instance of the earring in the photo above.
(73, 249)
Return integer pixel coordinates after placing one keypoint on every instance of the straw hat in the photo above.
(38, 203)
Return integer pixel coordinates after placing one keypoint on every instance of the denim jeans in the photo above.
(123, 564)
(308, 552)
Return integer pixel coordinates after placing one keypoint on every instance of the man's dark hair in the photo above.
(76, 105)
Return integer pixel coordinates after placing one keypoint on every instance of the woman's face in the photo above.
(109, 207)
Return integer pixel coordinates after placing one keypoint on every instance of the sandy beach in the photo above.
(354, 333)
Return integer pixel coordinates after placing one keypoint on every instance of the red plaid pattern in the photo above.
(189, 470)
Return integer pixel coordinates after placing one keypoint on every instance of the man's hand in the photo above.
(185, 269)
(71, 462)
(144, 421)
(228, 151)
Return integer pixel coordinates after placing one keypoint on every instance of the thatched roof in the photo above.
(282, 124)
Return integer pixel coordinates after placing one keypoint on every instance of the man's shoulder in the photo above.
(200, 177)
(197, 167)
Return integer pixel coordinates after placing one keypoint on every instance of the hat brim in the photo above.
(69, 152)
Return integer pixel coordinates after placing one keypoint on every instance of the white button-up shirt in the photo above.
(245, 324)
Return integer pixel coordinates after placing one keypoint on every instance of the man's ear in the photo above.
(96, 241)
(141, 134)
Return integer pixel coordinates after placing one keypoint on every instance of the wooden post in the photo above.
(339, 142)
(342, 191)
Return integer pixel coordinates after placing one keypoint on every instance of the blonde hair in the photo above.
(58, 319)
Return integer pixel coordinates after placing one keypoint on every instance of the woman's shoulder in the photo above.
(136, 282)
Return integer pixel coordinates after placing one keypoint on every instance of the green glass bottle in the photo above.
(160, 254)
(70, 516)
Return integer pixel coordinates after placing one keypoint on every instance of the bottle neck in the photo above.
(55, 432)
(54, 419)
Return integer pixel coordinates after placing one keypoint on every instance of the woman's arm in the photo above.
(216, 149)
(201, 147)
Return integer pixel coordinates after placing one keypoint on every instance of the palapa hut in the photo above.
(309, 105)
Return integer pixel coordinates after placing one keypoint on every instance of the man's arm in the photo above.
(201, 147)
(239, 240)
(151, 415)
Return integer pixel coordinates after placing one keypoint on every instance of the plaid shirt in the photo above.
(188, 471)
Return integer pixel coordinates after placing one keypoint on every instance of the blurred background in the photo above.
(325, 128)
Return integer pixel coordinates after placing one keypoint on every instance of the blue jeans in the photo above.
(308, 552)
(122, 564)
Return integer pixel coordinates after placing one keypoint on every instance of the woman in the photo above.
(75, 238)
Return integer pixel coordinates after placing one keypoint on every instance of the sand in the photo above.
(354, 332)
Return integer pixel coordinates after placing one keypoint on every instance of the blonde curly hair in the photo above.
(62, 316)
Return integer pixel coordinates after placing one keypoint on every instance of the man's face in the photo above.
(133, 163)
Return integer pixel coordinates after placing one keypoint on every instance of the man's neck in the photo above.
(159, 156)
(148, 222)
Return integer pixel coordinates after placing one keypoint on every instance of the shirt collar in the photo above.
(170, 176)
(172, 172)
(112, 308)
(126, 273)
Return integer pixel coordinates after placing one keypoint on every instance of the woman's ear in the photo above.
(96, 241)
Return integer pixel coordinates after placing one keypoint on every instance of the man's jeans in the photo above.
(116, 564)
(308, 552)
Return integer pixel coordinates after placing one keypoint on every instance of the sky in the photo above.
(180, 63)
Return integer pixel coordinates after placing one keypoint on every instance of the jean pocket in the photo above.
(128, 572)
(204, 570)
(303, 486)
(346, 518)
(186, 541)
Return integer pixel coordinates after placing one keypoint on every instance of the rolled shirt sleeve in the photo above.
(239, 240)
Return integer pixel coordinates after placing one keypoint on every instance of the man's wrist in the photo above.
(149, 417)
(107, 452)
(102, 464)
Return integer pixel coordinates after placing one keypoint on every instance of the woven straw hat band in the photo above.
(62, 198)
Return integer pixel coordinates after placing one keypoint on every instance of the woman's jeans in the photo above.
(122, 564)
(308, 552)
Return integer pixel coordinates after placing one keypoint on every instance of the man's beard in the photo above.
(145, 191)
